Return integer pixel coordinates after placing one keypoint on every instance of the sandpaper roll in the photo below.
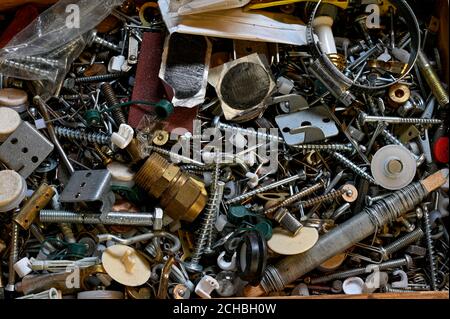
(149, 87)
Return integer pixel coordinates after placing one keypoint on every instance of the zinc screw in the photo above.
(331, 147)
(13, 257)
(364, 118)
(82, 136)
(392, 139)
(352, 166)
(25, 67)
(430, 248)
(98, 78)
(113, 218)
(94, 38)
(401, 243)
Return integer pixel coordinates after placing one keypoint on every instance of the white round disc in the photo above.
(393, 153)
(283, 243)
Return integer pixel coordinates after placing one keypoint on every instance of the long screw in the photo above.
(175, 156)
(82, 136)
(243, 131)
(25, 67)
(364, 118)
(112, 100)
(295, 198)
(396, 263)
(209, 218)
(265, 188)
(36, 59)
(352, 166)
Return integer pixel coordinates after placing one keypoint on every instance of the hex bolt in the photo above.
(432, 79)
(112, 100)
(94, 38)
(400, 243)
(82, 136)
(352, 166)
(294, 198)
(396, 263)
(243, 131)
(204, 231)
(364, 118)
(265, 188)
(113, 218)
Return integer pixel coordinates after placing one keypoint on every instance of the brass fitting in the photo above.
(398, 95)
(181, 196)
(338, 60)
(432, 79)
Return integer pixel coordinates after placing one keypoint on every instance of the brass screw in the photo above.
(105, 159)
(432, 79)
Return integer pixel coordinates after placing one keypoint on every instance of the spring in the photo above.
(331, 147)
(430, 249)
(320, 199)
(80, 135)
(99, 78)
(112, 100)
(387, 210)
(352, 166)
(208, 222)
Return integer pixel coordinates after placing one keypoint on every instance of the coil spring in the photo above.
(112, 100)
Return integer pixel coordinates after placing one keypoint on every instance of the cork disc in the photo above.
(13, 97)
(125, 265)
(11, 188)
(285, 244)
(9, 122)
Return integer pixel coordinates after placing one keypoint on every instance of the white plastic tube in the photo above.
(322, 27)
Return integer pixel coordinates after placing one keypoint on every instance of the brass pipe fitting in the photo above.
(181, 196)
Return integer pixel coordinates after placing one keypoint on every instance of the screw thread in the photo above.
(288, 221)
(68, 233)
(398, 120)
(352, 166)
(295, 197)
(113, 218)
(25, 67)
(432, 79)
(430, 249)
(403, 242)
(175, 156)
(106, 44)
(249, 132)
(36, 59)
(13, 256)
(79, 135)
(112, 100)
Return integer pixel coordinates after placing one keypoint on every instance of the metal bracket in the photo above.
(90, 186)
(307, 126)
(25, 150)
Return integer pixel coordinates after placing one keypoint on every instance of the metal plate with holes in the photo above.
(307, 126)
(90, 186)
(25, 150)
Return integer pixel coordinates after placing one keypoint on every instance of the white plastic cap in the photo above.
(238, 140)
(23, 267)
(123, 138)
(9, 122)
(13, 189)
(353, 286)
(253, 179)
(226, 265)
(121, 174)
(285, 86)
(206, 286)
(221, 221)
(115, 64)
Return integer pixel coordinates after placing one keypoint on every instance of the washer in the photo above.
(393, 167)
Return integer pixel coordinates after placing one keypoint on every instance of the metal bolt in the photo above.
(36, 59)
(430, 248)
(371, 200)
(99, 78)
(175, 156)
(287, 221)
(364, 118)
(113, 218)
(105, 159)
(331, 147)
(13, 257)
(400, 243)
(25, 67)
(68, 233)
(392, 139)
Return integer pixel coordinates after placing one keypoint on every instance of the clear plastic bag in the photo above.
(46, 48)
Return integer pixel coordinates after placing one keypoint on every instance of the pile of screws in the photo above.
(304, 170)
